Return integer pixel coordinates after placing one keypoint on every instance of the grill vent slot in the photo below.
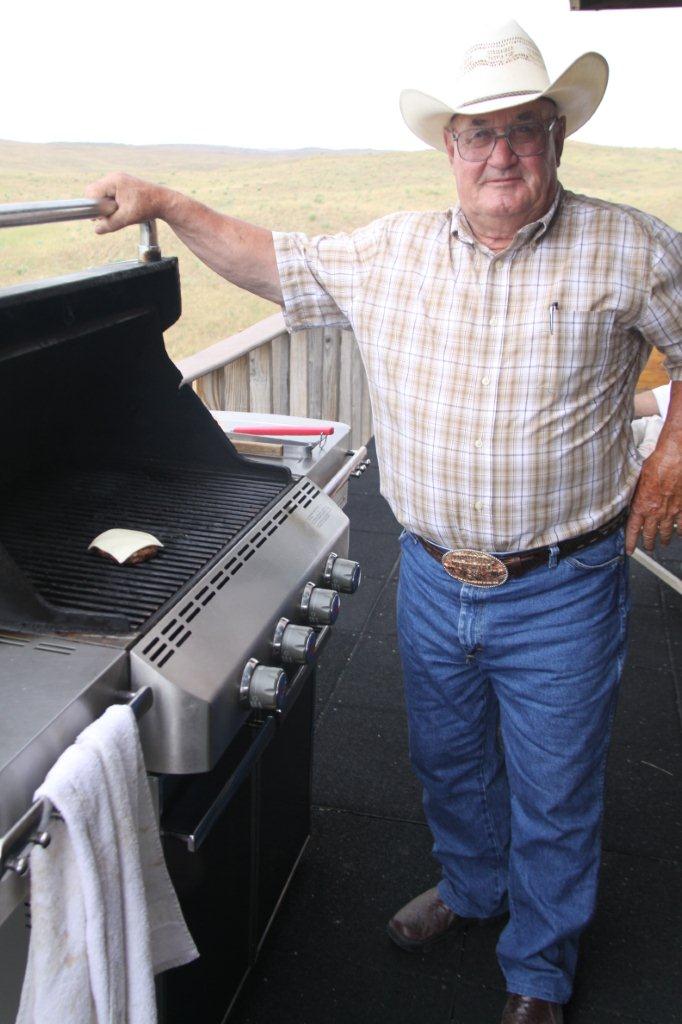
(12, 641)
(160, 653)
(51, 647)
(48, 646)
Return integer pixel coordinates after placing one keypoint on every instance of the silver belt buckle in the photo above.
(477, 568)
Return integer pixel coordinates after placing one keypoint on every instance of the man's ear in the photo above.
(449, 143)
(559, 136)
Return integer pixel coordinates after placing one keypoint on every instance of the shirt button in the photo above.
(485, 380)
(478, 505)
(499, 266)
(493, 321)
(478, 442)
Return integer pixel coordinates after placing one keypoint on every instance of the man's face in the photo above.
(506, 189)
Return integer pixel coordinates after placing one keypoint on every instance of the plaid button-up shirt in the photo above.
(501, 383)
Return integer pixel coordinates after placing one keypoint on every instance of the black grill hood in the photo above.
(91, 405)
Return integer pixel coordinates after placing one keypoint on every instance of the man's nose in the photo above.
(502, 155)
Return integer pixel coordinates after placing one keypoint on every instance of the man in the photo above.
(502, 341)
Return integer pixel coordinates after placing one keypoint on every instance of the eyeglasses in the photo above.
(526, 139)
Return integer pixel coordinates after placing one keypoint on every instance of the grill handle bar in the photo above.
(32, 827)
(355, 467)
(266, 730)
(14, 215)
(195, 839)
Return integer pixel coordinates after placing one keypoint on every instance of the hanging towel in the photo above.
(104, 916)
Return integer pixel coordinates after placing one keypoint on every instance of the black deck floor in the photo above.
(327, 959)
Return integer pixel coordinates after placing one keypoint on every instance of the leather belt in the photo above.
(484, 570)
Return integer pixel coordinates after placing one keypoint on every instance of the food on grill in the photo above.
(126, 547)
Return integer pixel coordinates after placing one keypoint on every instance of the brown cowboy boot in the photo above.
(529, 1010)
(422, 921)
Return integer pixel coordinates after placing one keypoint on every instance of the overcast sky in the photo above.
(304, 72)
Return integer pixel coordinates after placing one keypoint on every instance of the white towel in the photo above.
(104, 915)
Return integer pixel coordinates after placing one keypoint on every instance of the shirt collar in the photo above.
(529, 232)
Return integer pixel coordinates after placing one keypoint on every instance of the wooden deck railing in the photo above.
(317, 373)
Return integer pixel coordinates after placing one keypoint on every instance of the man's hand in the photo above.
(242, 253)
(136, 200)
(657, 503)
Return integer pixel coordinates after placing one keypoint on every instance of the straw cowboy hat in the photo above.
(504, 69)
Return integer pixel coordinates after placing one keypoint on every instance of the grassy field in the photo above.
(304, 191)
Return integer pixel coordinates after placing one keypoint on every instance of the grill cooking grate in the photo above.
(47, 524)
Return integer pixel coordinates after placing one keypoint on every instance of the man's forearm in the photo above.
(240, 252)
(243, 253)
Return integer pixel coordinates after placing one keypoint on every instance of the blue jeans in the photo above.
(510, 696)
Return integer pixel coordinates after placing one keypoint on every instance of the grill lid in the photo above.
(100, 434)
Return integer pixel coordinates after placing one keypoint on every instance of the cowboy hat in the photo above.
(504, 69)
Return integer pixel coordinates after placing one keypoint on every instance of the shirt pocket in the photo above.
(582, 350)
(568, 357)
(573, 378)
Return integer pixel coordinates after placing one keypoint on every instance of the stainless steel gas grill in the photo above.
(223, 626)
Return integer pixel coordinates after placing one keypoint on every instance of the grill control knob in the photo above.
(294, 643)
(319, 606)
(342, 574)
(263, 686)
